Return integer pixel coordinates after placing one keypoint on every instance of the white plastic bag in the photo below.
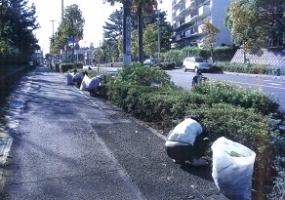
(85, 81)
(233, 165)
(69, 79)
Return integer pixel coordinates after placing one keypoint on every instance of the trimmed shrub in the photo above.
(64, 67)
(173, 56)
(246, 68)
(143, 76)
(225, 92)
(224, 53)
(168, 65)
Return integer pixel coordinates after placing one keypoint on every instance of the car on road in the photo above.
(152, 63)
(196, 64)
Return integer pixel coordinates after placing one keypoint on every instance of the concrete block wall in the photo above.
(271, 57)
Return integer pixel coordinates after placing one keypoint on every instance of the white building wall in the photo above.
(218, 13)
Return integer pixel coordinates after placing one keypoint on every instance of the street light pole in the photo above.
(158, 34)
(140, 33)
(62, 8)
(72, 59)
(52, 21)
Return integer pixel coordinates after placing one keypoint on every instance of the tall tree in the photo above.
(274, 10)
(210, 32)
(5, 43)
(18, 21)
(71, 26)
(147, 5)
(150, 40)
(154, 34)
(113, 28)
(112, 31)
(139, 5)
(245, 20)
(135, 44)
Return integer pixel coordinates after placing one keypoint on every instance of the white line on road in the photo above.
(274, 84)
(258, 85)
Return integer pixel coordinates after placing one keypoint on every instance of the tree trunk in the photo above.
(212, 55)
(127, 29)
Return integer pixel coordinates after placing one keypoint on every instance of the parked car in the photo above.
(195, 64)
(152, 63)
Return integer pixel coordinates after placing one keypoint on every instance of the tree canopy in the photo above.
(71, 26)
(113, 31)
(17, 23)
(256, 23)
(210, 32)
(147, 5)
(150, 35)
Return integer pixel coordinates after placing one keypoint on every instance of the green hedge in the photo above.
(164, 109)
(250, 69)
(178, 55)
(225, 110)
(217, 91)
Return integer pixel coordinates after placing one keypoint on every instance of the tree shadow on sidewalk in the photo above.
(204, 172)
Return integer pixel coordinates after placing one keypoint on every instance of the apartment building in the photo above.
(188, 17)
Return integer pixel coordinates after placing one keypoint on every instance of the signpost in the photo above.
(127, 30)
(77, 47)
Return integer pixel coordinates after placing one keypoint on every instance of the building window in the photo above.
(188, 33)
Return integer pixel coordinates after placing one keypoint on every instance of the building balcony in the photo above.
(204, 11)
(200, 28)
(176, 3)
(190, 4)
(178, 26)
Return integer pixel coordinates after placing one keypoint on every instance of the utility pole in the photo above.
(140, 33)
(127, 29)
(52, 21)
(62, 8)
(158, 34)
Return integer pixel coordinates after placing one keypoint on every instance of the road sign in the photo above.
(76, 39)
(76, 47)
(69, 39)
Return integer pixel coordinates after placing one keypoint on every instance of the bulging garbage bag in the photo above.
(233, 165)
(85, 82)
(69, 79)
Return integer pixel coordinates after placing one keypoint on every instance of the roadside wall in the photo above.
(7, 80)
(271, 57)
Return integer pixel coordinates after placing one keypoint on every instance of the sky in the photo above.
(94, 12)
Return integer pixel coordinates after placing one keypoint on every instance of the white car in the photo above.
(195, 64)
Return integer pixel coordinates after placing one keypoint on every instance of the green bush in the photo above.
(64, 67)
(173, 56)
(168, 65)
(136, 74)
(224, 53)
(178, 55)
(278, 191)
(195, 51)
(245, 68)
(234, 122)
(225, 92)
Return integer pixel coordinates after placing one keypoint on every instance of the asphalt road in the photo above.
(269, 85)
(68, 145)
